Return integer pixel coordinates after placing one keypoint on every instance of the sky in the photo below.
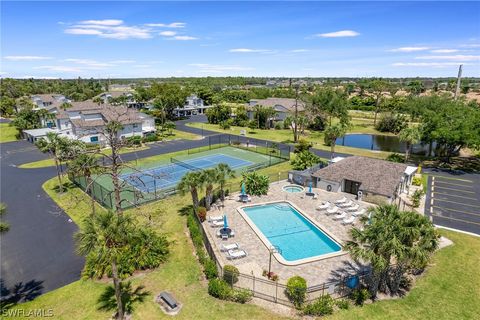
(273, 39)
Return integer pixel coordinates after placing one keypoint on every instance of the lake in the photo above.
(380, 143)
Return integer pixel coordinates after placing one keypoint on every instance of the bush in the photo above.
(150, 138)
(210, 269)
(359, 296)
(395, 157)
(279, 125)
(241, 123)
(241, 295)
(342, 304)
(296, 290)
(317, 124)
(417, 181)
(230, 274)
(321, 307)
(302, 145)
(304, 160)
(218, 288)
(225, 125)
(252, 125)
(393, 123)
(416, 196)
(256, 184)
(202, 213)
(134, 141)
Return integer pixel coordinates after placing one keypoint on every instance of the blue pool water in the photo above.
(289, 230)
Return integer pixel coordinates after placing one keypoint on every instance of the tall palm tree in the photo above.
(332, 132)
(4, 227)
(191, 182)
(224, 172)
(54, 145)
(411, 136)
(209, 177)
(106, 236)
(86, 164)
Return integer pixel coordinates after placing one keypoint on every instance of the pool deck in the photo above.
(315, 272)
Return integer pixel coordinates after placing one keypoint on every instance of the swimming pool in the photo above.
(282, 225)
(291, 188)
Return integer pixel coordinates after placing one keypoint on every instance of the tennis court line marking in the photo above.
(463, 204)
(464, 221)
(453, 195)
(439, 187)
(464, 212)
(454, 184)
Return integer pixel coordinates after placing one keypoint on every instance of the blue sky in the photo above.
(163, 39)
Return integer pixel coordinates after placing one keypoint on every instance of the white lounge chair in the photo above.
(359, 213)
(215, 218)
(343, 200)
(324, 206)
(353, 208)
(232, 233)
(236, 254)
(216, 224)
(315, 196)
(346, 205)
(332, 210)
(348, 220)
(340, 216)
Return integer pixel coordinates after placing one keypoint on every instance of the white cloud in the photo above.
(299, 50)
(445, 50)
(105, 22)
(26, 58)
(409, 49)
(81, 31)
(457, 57)
(471, 45)
(209, 68)
(167, 25)
(168, 33)
(425, 64)
(92, 64)
(184, 38)
(111, 29)
(338, 34)
(63, 69)
(122, 61)
(247, 50)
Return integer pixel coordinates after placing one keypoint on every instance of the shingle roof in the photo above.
(109, 113)
(376, 176)
(85, 105)
(287, 103)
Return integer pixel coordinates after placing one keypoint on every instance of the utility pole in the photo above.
(296, 115)
(459, 80)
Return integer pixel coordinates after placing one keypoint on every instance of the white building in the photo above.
(193, 106)
(47, 101)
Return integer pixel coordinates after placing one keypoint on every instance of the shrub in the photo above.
(395, 157)
(417, 181)
(416, 196)
(317, 124)
(218, 288)
(342, 304)
(296, 290)
(202, 213)
(150, 138)
(359, 296)
(252, 125)
(302, 145)
(393, 123)
(320, 307)
(225, 125)
(210, 269)
(134, 141)
(279, 125)
(241, 295)
(230, 274)
(304, 160)
(256, 184)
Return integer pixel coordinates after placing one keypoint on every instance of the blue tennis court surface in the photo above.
(167, 176)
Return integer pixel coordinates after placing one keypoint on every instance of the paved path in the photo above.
(38, 250)
(453, 200)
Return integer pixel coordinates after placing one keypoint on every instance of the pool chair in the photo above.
(346, 205)
(219, 233)
(332, 210)
(340, 216)
(343, 200)
(348, 220)
(236, 254)
(315, 196)
(353, 208)
(359, 213)
(216, 224)
(324, 206)
(215, 218)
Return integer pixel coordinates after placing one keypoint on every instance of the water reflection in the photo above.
(381, 143)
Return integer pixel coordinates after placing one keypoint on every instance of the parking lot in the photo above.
(454, 201)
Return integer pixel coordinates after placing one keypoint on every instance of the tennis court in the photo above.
(166, 176)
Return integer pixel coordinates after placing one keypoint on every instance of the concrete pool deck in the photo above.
(257, 260)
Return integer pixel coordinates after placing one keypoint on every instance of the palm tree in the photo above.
(107, 236)
(4, 227)
(209, 177)
(85, 165)
(411, 136)
(54, 145)
(224, 172)
(332, 132)
(191, 182)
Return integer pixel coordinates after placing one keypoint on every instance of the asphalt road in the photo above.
(453, 200)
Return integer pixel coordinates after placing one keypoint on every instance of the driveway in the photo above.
(453, 200)
(38, 252)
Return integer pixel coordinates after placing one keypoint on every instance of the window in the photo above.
(94, 139)
(135, 125)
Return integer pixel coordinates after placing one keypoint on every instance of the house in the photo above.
(362, 176)
(282, 106)
(47, 101)
(193, 106)
(86, 121)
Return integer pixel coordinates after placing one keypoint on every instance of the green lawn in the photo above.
(286, 136)
(181, 275)
(7, 133)
(177, 134)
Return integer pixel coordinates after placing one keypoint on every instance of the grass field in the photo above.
(7, 133)
(177, 134)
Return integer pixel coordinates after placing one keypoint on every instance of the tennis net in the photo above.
(185, 165)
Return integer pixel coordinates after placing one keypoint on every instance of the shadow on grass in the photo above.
(20, 292)
(130, 297)
(186, 210)
(66, 187)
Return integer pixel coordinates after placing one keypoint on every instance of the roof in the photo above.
(287, 103)
(39, 132)
(85, 105)
(375, 175)
(109, 113)
(49, 97)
